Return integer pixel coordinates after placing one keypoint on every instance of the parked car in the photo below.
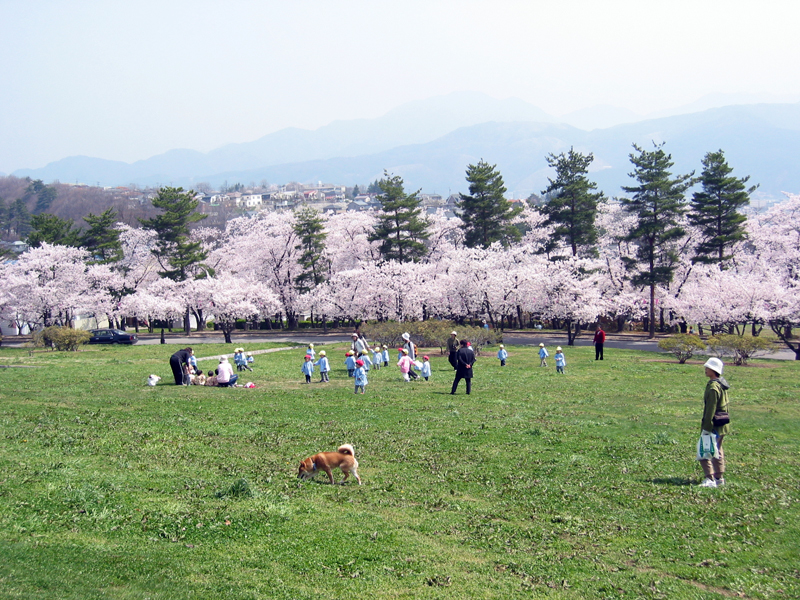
(112, 336)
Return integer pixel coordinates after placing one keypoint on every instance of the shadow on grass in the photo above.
(672, 481)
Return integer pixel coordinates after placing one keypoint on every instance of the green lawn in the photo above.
(535, 486)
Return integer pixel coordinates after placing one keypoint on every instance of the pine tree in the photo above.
(310, 228)
(52, 230)
(177, 254)
(658, 204)
(399, 228)
(486, 214)
(572, 207)
(101, 238)
(715, 209)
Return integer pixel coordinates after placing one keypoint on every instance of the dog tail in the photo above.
(347, 449)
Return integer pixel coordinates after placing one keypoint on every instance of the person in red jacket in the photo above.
(599, 340)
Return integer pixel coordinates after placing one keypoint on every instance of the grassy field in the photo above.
(535, 486)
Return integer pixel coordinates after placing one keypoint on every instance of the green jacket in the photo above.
(715, 399)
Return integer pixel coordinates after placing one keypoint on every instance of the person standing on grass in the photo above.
(561, 362)
(412, 353)
(715, 401)
(178, 362)
(543, 354)
(465, 358)
(360, 376)
(452, 348)
(599, 340)
(502, 355)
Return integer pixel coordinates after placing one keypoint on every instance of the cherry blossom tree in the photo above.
(52, 285)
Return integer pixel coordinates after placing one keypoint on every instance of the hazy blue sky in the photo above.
(127, 80)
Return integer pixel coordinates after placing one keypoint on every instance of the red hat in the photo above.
(425, 358)
(360, 363)
(307, 356)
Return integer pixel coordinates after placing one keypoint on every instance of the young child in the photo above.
(250, 360)
(385, 356)
(502, 355)
(561, 362)
(377, 357)
(350, 363)
(187, 375)
(239, 359)
(361, 376)
(308, 368)
(405, 363)
(193, 363)
(199, 379)
(324, 366)
(310, 351)
(400, 353)
(363, 356)
(543, 355)
(426, 368)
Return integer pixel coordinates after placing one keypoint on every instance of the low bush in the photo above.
(741, 349)
(683, 346)
(61, 338)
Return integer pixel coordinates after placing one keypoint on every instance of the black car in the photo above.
(112, 336)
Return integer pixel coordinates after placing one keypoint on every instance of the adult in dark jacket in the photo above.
(452, 348)
(715, 400)
(465, 358)
(177, 362)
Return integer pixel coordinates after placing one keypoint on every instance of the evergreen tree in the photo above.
(658, 204)
(310, 228)
(3, 216)
(487, 215)
(19, 219)
(356, 192)
(572, 207)
(101, 238)
(52, 230)
(177, 254)
(45, 195)
(715, 209)
(399, 228)
(374, 187)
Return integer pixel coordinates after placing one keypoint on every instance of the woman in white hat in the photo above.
(412, 354)
(226, 377)
(715, 421)
(452, 348)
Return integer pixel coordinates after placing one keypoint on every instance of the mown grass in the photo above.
(536, 485)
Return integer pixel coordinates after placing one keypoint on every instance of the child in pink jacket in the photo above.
(405, 364)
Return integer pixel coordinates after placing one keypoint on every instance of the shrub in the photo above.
(61, 338)
(683, 346)
(740, 348)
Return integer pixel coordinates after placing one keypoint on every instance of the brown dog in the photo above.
(344, 458)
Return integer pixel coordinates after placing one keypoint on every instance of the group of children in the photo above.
(561, 361)
(358, 364)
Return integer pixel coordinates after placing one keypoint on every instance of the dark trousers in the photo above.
(459, 378)
(598, 351)
(452, 359)
(177, 369)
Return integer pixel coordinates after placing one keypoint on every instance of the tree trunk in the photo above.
(652, 312)
(324, 324)
(163, 341)
(187, 322)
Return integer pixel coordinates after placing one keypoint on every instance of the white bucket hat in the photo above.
(406, 336)
(715, 365)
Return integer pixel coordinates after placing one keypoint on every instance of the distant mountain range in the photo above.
(430, 143)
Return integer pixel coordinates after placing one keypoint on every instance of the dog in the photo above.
(344, 458)
(153, 380)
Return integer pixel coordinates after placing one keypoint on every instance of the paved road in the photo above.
(515, 338)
